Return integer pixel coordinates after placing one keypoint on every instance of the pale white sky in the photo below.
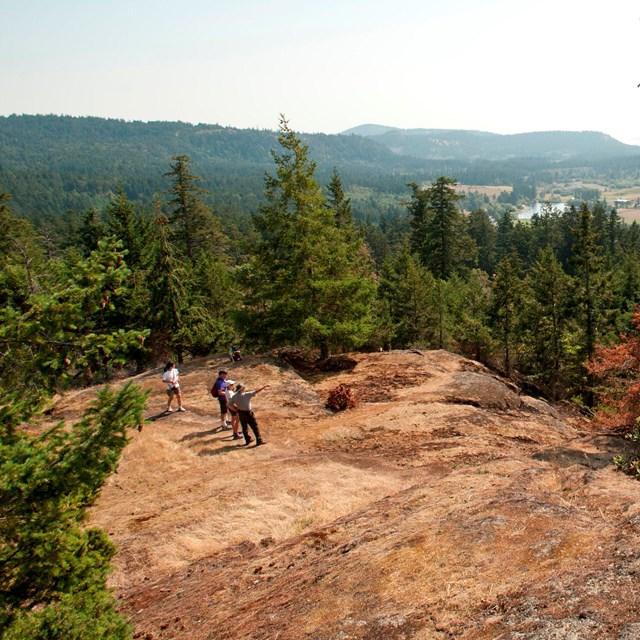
(506, 66)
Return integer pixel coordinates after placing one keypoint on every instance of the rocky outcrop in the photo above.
(444, 505)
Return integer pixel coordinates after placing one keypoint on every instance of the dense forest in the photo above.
(153, 268)
(53, 165)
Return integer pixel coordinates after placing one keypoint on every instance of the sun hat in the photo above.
(230, 382)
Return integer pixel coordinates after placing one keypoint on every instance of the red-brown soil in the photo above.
(445, 505)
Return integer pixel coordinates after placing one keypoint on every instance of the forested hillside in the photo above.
(452, 144)
(55, 164)
(50, 164)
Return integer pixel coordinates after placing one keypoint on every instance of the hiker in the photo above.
(242, 402)
(229, 392)
(170, 376)
(234, 353)
(217, 391)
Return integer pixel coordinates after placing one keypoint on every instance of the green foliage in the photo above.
(439, 235)
(408, 290)
(53, 575)
(471, 330)
(194, 227)
(506, 307)
(546, 355)
(63, 332)
(310, 280)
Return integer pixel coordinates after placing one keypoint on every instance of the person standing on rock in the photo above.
(242, 402)
(217, 391)
(170, 376)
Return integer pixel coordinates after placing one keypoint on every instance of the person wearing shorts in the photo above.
(170, 376)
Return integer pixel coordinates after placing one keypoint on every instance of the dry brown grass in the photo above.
(443, 510)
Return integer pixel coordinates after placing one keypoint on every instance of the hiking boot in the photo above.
(248, 441)
(237, 436)
(259, 442)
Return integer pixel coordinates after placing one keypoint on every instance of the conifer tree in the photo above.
(545, 229)
(439, 235)
(589, 292)
(195, 228)
(569, 222)
(91, 231)
(506, 306)
(408, 291)
(505, 236)
(53, 568)
(305, 285)
(22, 258)
(471, 320)
(546, 334)
(339, 204)
(588, 264)
(482, 230)
(64, 332)
(167, 293)
(126, 225)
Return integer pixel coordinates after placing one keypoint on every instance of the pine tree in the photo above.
(91, 231)
(504, 236)
(439, 235)
(483, 231)
(546, 229)
(195, 228)
(306, 284)
(339, 204)
(546, 344)
(408, 292)
(506, 307)
(22, 258)
(168, 279)
(127, 226)
(588, 264)
(53, 568)
(470, 314)
(64, 332)
(589, 291)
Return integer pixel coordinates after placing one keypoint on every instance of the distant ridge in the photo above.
(460, 144)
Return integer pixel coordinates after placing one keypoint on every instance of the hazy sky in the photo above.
(505, 66)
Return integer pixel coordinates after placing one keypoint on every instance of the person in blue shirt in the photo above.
(218, 391)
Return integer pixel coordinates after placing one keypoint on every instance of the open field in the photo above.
(493, 191)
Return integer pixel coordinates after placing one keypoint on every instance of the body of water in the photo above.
(525, 214)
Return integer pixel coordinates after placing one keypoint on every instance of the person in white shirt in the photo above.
(229, 392)
(171, 377)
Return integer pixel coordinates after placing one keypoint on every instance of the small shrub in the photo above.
(341, 398)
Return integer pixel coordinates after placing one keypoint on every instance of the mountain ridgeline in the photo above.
(453, 144)
(52, 164)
